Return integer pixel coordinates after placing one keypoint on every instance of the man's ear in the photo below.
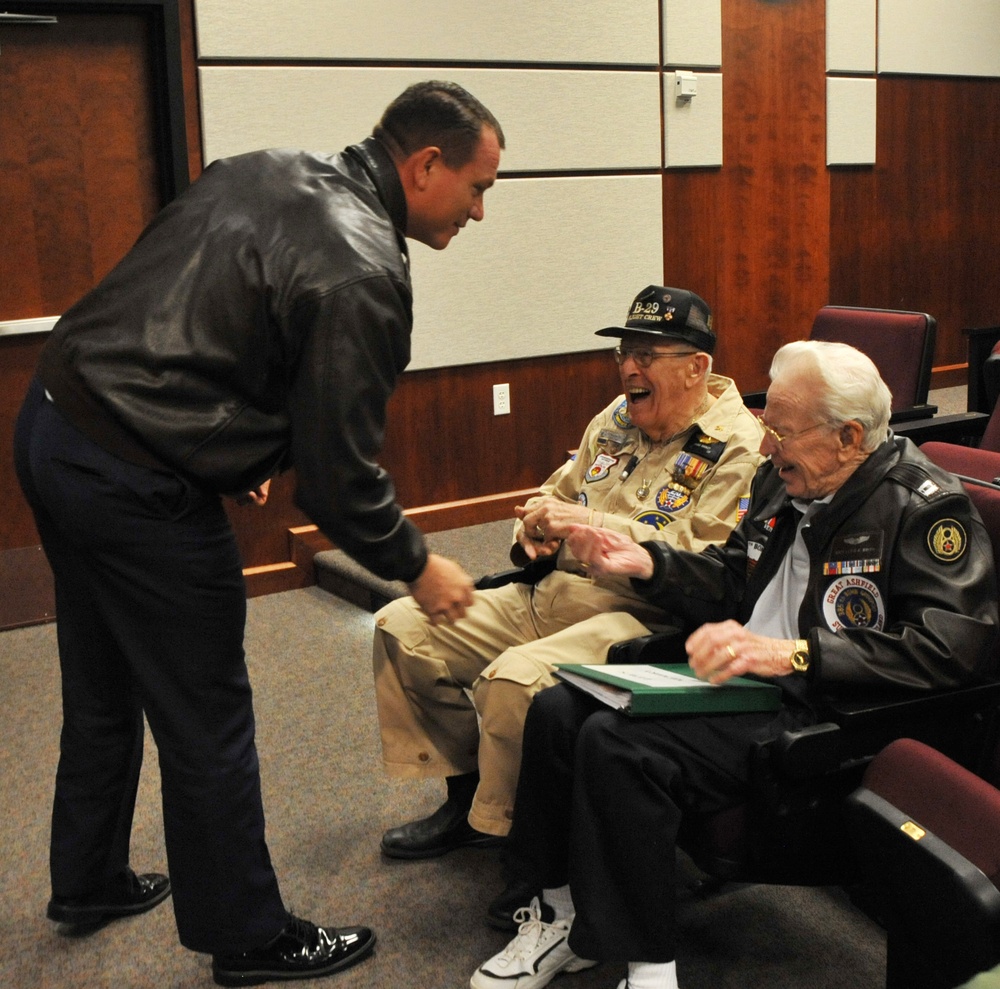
(852, 435)
(416, 169)
(699, 367)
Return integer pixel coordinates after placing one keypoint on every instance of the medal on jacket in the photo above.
(689, 470)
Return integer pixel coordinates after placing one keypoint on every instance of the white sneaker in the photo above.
(534, 957)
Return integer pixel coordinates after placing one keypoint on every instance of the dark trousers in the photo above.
(150, 606)
(599, 802)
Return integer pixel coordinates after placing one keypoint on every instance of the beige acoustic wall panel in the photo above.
(692, 132)
(554, 260)
(850, 35)
(574, 31)
(850, 121)
(553, 120)
(692, 33)
(927, 37)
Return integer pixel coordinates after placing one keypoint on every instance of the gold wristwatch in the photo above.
(800, 656)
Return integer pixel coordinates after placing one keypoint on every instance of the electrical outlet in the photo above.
(501, 400)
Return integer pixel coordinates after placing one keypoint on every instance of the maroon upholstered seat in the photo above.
(927, 835)
(900, 343)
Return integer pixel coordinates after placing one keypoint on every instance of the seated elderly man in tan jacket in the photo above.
(671, 459)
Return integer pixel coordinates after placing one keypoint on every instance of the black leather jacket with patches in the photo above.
(901, 592)
(259, 322)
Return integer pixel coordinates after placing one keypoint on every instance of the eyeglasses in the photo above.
(780, 438)
(646, 357)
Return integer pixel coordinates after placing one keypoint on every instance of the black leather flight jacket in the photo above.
(901, 592)
(259, 322)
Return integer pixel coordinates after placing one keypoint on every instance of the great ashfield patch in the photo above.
(947, 540)
(853, 602)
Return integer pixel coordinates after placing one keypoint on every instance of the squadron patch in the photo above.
(600, 468)
(620, 416)
(853, 602)
(947, 540)
(672, 498)
(658, 520)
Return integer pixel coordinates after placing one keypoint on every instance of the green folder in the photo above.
(643, 690)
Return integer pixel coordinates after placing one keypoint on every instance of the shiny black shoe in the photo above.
(445, 830)
(125, 896)
(500, 912)
(300, 951)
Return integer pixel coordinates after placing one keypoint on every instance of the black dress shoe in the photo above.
(300, 951)
(446, 829)
(125, 896)
(500, 913)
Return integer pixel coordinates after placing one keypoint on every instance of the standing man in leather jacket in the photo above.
(259, 322)
(859, 565)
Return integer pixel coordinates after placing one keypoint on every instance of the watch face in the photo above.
(800, 660)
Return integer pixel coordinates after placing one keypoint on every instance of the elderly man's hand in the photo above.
(607, 553)
(720, 650)
(545, 524)
(443, 590)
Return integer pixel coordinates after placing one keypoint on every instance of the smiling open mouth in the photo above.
(638, 394)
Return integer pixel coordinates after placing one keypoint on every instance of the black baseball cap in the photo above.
(670, 314)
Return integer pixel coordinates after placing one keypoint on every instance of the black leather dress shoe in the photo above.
(125, 896)
(446, 829)
(500, 912)
(300, 951)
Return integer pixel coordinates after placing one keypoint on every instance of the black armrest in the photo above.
(531, 573)
(665, 645)
(924, 411)
(959, 427)
(855, 730)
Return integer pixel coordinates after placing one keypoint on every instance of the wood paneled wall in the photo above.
(752, 237)
(921, 230)
(767, 238)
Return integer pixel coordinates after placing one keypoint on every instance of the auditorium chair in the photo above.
(901, 345)
(926, 834)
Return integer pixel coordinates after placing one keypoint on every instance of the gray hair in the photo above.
(851, 387)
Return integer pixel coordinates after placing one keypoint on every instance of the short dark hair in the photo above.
(442, 114)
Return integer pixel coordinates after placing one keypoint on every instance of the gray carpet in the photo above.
(327, 802)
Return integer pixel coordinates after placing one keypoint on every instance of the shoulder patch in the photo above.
(620, 416)
(947, 541)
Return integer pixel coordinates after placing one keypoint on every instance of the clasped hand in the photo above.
(545, 523)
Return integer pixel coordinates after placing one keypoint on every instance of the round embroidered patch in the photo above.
(853, 602)
(672, 498)
(947, 540)
(620, 416)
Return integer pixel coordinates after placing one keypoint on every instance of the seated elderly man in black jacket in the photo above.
(858, 565)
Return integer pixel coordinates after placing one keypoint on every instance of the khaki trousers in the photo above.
(452, 698)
